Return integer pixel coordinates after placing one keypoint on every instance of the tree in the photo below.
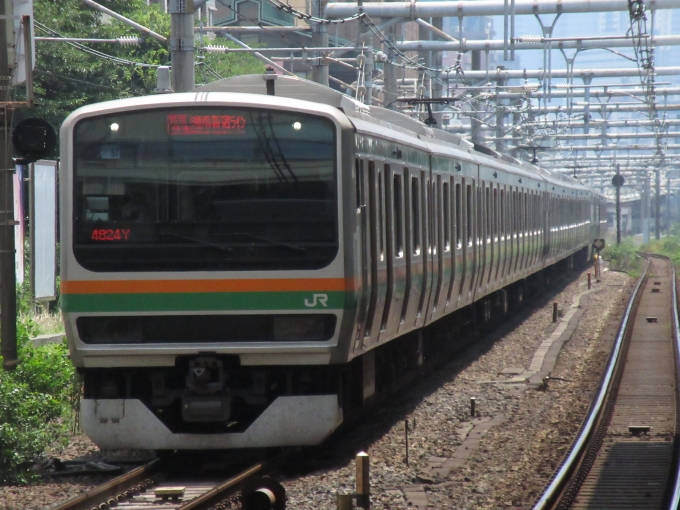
(70, 75)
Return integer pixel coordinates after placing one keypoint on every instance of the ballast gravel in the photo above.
(509, 464)
(515, 458)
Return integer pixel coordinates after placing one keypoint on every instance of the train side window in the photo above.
(446, 212)
(381, 217)
(515, 215)
(488, 211)
(357, 180)
(459, 214)
(415, 214)
(501, 217)
(468, 214)
(397, 201)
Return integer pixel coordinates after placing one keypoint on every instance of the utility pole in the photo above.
(182, 45)
(319, 40)
(8, 307)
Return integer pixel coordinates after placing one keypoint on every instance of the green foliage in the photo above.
(623, 257)
(68, 77)
(668, 245)
(33, 400)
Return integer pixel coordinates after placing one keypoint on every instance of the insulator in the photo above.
(530, 39)
(361, 91)
(361, 60)
(129, 40)
(214, 49)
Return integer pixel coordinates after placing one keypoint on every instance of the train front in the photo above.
(202, 272)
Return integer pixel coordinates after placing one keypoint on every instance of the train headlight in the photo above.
(114, 126)
(297, 126)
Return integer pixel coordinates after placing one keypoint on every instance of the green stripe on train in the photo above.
(212, 301)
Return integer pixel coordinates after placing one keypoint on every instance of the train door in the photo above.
(364, 252)
(471, 239)
(376, 243)
(387, 329)
(503, 228)
(461, 240)
(414, 249)
(545, 201)
(438, 226)
(496, 237)
(402, 271)
(490, 225)
(448, 242)
(426, 213)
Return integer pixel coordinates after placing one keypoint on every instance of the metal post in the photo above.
(182, 45)
(368, 76)
(668, 202)
(645, 210)
(28, 59)
(8, 307)
(618, 215)
(555, 311)
(657, 204)
(586, 108)
(406, 438)
(319, 39)
(500, 112)
(475, 124)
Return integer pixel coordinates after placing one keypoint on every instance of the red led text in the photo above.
(109, 234)
(188, 125)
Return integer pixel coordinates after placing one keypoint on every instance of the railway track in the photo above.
(625, 455)
(169, 485)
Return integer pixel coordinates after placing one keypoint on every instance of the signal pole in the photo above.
(8, 306)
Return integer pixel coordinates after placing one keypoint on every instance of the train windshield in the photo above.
(197, 189)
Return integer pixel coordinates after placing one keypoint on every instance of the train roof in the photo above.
(294, 87)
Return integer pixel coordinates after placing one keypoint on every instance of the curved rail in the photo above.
(675, 495)
(576, 452)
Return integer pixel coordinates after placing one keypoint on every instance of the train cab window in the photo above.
(398, 203)
(415, 214)
(205, 188)
(458, 207)
(446, 214)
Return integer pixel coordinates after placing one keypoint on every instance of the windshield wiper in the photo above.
(199, 241)
(271, 241)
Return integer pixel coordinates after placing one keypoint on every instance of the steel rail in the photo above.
(675, 495)
(111, 488)
(586, 431)
(217, 494)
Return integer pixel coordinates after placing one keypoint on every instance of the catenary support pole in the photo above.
(182, 46)
(319, 39)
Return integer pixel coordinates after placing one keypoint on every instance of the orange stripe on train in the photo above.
(176, 286)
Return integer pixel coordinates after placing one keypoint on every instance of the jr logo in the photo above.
(321, 299)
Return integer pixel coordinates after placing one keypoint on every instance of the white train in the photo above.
(239, 268)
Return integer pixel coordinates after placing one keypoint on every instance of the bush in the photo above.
(623, 257)
(34, 399)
